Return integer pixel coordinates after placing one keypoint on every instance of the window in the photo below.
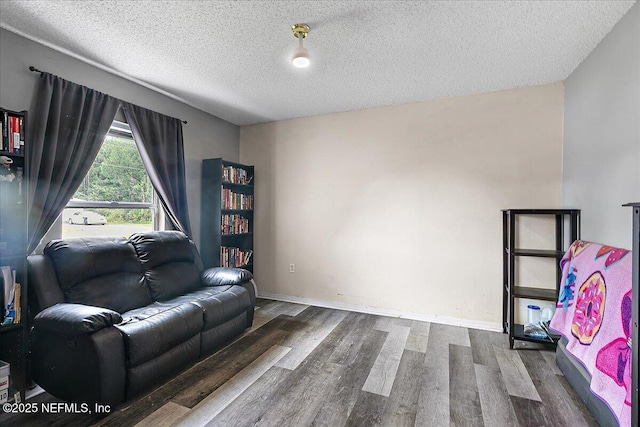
(116, 197)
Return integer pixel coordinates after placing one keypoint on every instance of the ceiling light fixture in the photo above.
(300, 57)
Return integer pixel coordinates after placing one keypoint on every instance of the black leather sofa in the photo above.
(114, 317)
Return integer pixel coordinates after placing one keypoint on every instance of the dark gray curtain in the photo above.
(67, 128)
(159, 139)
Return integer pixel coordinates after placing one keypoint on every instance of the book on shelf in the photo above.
(237, 201)
(5, 370)
(13, 133)
(234, 224)
(4, 146)
(22, 134)
(4, 387)
(11, 308)
(4, 382)
(5, 373)
(235, 175)
(234, 257)
(14, 139)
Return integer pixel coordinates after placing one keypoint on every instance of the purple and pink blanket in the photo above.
(594, 314)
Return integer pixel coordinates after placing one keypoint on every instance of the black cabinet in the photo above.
(13, 245)
(226, 227)
(564, 218)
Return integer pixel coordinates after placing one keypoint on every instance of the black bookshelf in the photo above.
(14, 346)
(227, 214)
(512, 291)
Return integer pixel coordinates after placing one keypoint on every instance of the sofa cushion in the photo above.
(168, 261)
(220, 303)
(99, 271)
(142, 377)
(151, 331)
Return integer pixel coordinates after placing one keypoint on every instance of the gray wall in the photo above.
(205, 136)
(601, 155)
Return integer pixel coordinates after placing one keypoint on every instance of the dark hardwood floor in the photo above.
(309, 366)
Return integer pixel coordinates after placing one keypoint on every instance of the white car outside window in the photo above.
(87, 218)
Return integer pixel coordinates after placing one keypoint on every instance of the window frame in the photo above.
(120, 129)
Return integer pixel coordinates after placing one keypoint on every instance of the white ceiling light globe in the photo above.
(300, 57)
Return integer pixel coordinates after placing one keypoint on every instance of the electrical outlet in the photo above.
(292, 268)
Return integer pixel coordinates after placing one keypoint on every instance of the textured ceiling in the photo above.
(231, 58)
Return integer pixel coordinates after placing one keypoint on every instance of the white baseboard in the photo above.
(475, 324)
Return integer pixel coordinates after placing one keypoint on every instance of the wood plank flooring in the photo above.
(310, 366)
(383, 373)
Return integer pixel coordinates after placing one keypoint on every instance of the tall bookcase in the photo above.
(511, 291)
(226, 228)
(13, 245)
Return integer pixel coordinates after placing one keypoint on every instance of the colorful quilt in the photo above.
(594, 314)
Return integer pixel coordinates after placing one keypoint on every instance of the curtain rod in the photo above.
(35, 70)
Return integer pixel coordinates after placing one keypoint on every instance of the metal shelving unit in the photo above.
(511, 291)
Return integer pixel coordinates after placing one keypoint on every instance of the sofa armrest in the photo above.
(82, 367)
(224, 276)
(74, 319)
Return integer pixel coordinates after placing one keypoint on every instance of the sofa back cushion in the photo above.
(99, 271)
(168, 261)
